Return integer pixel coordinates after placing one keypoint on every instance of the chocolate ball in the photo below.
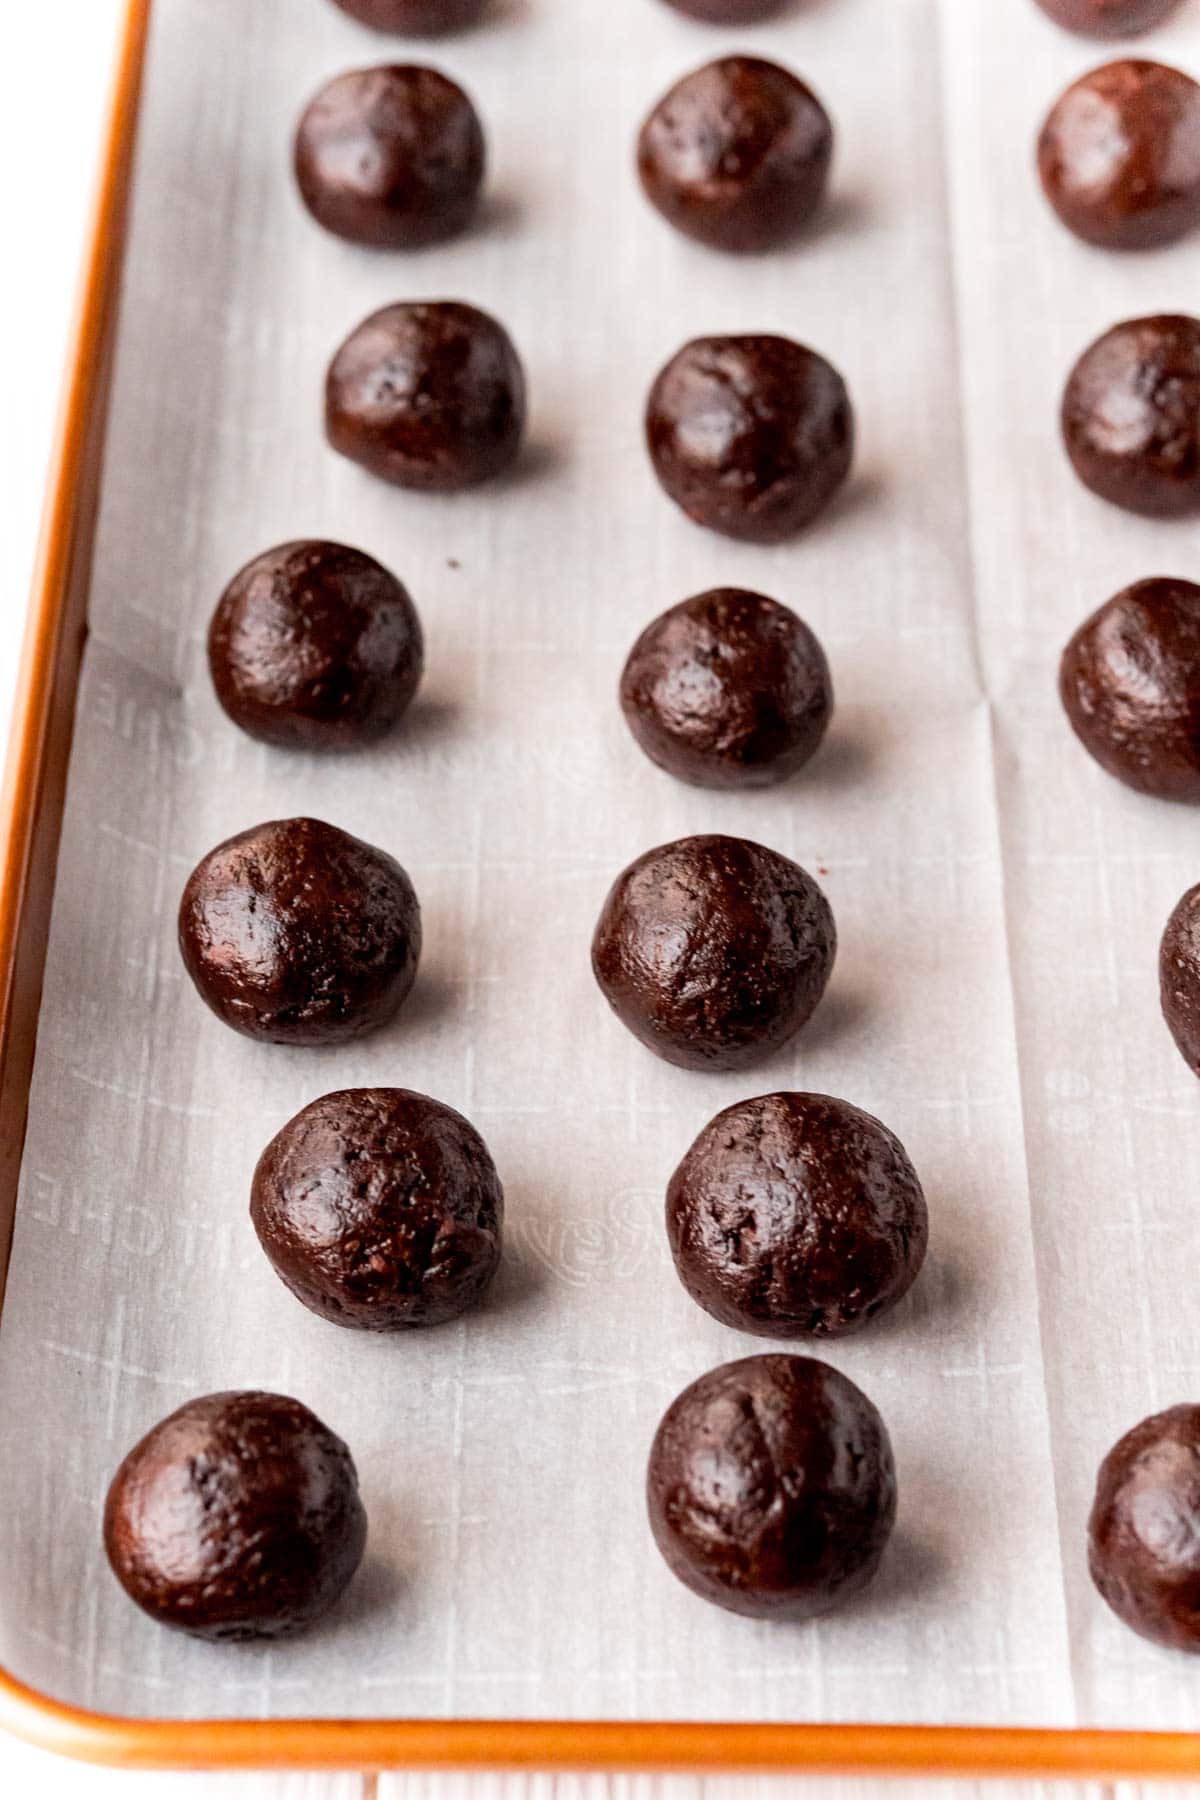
(237, 1516)
(714, 951)
(427, 394)
(737, 154)
(1144, 1529)
(751, 436)
(1119, 155)
(1130, 682)
(380, 1209)
(1179, 977)
(297, 933)
(1108, 18)
(728, 690)
(771, 1487)
(392, 157)
(796, 1215)
(1131, 415)
(728, 12)
(423, 18)
(314, 646)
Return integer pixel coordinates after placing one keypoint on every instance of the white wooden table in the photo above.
(60, 52)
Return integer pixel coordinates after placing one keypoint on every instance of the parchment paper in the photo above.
(999, 901)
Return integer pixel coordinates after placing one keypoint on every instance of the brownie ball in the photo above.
(1130, 683)
(796, 1215)
(236, 1517)
(1144, 1529)
(427, 394)
(714, 951)
(1119, 155)
(771, 1487)
(751, 436)
(737, 154)
(1179, 977)
(728, 12)
(728, 690)
(1131, 415)
(392, 157)
(380, 1209)
(423, 18)
(314, 646)
(297, 933)
(1109, 18)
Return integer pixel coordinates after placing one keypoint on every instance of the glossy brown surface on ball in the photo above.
(728, 690)
(315, 646)
(238, 1516)
(729, 12)
(1144, 1529)
(714, 951)
(425, 18)
(1130, 683)
(796, 1215)
(1109, 18)
(392, 157)
(737, 154)
(1179, 977)
(1131, 415)
(297, 933)
(427, 394)
(379, 1208)
(1119, 155)
(771, 1487)
(751, 436)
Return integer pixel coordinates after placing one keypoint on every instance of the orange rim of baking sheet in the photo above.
(25, 819)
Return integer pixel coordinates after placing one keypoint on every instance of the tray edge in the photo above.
(30, 819)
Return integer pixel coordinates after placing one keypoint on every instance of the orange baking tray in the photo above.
(31, 810)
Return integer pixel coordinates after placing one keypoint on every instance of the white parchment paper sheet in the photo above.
(998, 901)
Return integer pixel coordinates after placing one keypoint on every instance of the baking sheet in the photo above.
(998, 900)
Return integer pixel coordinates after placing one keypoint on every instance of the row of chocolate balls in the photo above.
(1120, 161)
(736, 155)
(1130, 680)
(239, 1515)
(751, 435)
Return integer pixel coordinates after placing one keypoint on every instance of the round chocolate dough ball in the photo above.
(421, 18)
(314, 646)
(1109, 18)
(380, 1209)
(1119, 155)
(1130, 682)
(1144, 1529)
(751, 436)
(714, 951)
(391, 157)
(1179, 977)
(728, 12)
(796, 1215)
(771, 1487)
(1131, 415)
(728, 690)
(737, 154)
(427, 394)
(297, 933)
(236, 1517)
